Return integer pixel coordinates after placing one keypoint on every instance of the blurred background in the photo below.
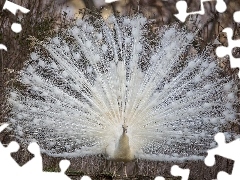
(48, 17)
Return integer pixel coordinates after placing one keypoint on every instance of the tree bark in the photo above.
(90, 5)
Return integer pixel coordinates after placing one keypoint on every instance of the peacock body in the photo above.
(111, 87)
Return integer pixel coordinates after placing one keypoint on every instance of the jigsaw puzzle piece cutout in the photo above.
(7, 163)
(5, 156)
(223, 176)
(33, 168)
(236, 16)
(159, 178)
(210, 159)
(235, 172)
(54, 175)
(86, 178)
(177, 171)
(221, 6)
(3, 126)
(13, 8)
(222, 51)
(228, 150)
(182, 11)
(110, 1)
(35, 164)
(181, 6)
(64, 164)
(2, 46)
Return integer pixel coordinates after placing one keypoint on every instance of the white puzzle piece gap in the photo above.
(16, 27)
(222, 51)
(35, 164)
(110, 1)
(182, 9)
(86, 178)
(3, 126)
(13, 8)
(228, 150)
(7, 164)
(159, 178)
(236, 17)
(33, 169)
(177, 171)
(2, 46)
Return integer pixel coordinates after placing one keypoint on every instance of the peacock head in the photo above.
(124, 126)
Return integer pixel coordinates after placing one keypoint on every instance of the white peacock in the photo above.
(110, 87)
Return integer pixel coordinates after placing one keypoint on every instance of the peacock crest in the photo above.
(104, 83)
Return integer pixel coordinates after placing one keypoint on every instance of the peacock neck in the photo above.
(123, 150)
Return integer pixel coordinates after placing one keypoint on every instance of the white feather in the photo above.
(86, 89)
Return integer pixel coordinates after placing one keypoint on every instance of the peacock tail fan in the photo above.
(81, 87)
